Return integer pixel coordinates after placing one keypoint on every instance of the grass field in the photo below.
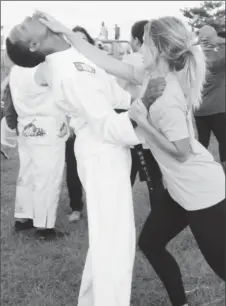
(37, 273)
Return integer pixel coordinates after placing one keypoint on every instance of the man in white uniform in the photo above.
(102, 150)
(42, 132)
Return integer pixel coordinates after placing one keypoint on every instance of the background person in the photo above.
(210, 117)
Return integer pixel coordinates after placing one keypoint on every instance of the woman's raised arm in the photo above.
(111, 65)
(101, 59)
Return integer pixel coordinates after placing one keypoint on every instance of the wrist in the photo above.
(67, 32)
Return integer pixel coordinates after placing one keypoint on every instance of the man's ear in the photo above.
(33, 46)
(137, 42)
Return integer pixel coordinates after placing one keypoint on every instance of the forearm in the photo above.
(155, 137)
(103, 60)
(116, 129)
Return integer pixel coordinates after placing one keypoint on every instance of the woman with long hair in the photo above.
(195, 183)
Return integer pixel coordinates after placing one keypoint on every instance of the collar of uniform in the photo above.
(58, 55)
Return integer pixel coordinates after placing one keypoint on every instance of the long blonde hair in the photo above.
(170, 39)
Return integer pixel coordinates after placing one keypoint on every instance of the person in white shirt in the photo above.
(195, 182)
(103, 138)
(195, 194)
(103, 32)
(42, 132)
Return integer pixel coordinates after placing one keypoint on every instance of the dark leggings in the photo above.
(168, 219)
(73, 182)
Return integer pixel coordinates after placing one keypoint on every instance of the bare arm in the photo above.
(100, 58)
(177, 149)
(103, 60)
(170, 139)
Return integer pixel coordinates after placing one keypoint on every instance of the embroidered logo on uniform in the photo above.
(31, 130)
(84, 67)
(63, 131)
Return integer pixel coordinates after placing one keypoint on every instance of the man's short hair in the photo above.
(20, 54)
(137, 30)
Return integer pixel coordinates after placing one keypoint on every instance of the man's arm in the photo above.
(123, 98)
(87, 91)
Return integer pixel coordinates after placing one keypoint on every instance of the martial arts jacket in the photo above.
(39, 118)
(87, 94)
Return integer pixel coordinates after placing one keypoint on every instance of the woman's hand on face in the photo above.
(138, 112)
(50, 22)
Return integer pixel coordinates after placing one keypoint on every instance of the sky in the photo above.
(90, 14)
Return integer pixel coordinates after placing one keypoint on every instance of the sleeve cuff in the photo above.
(176, 137)
(132, 138)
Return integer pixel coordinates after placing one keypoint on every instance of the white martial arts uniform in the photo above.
(104, 163)
(41, 145)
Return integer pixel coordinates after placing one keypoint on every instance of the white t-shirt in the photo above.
(199, 182)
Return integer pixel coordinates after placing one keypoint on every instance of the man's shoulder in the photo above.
(21, 75)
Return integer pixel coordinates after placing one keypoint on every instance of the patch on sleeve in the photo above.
(84, 67)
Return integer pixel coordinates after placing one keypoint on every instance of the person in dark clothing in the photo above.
(117, 32)
(210, 117)
(9, 110)
(75, 190)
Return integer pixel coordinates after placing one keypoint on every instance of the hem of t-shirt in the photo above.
(202, 204)
(176, 137)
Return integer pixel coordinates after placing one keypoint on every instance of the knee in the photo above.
(150, 244)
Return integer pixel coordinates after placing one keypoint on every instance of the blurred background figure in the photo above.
(117, 32)
(210, 117)
(99, 45)
(103, 31)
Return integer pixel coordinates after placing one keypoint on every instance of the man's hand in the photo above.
(138, 112)
(153, 91)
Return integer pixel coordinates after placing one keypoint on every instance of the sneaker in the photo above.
(49, 234)
(21, 226)
(74, 216)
